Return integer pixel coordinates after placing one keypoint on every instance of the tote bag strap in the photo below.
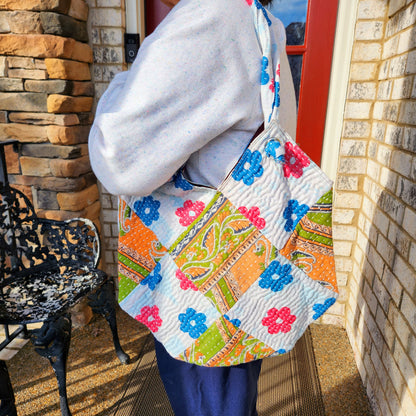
(271, 45)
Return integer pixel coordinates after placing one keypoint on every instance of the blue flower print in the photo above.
(153, 278)
(235, 322)
(267, 280)
(320, 308)
(248, 167)
(281, 351)
(193, 322)
(147, 209)
(265, 77)
(293, 213)
(276, 94)
(180, 182)
(260, 7)
(271, 148)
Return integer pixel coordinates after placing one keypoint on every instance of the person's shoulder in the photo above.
(230, 11)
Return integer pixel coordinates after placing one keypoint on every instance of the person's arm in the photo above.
(184, 89)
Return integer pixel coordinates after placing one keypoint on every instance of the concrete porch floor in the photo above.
(96, 379)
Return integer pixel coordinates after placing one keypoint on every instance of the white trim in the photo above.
(135, 22)
(341, 62)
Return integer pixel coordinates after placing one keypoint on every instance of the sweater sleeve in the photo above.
(193, 79)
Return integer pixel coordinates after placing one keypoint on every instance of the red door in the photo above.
(310, 29)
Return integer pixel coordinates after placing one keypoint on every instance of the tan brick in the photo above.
(28, 73)
(66, 104)
(3, 66)
(347, 183)
(79, 10)
(344, 232)
(343, 264)
(408, 403)
(76, 201)
(19, 62)
(66, 69)
(44, 46)
(82, 88)
(342, 248)
(364, 51)
(11, 84)
(363, 71)
(358, 129)
(40, 64)
(348, 200)
(12, 161)
(23, 132)
(3, 117)
(107, 17)
(25, 22)
(22, 101)
(51, 183)
(352, 165)
(68, 135)
(92, 212)
(50, 86)
(70, 168)
(4, 22)
(57, 215)
(35, 166)
(61, 6)
(44, 118)
(81, 52)
(343, 216)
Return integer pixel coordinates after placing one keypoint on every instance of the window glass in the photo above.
(293, 15)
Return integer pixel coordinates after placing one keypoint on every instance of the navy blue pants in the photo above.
(208, 391)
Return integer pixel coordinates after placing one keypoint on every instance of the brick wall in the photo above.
(106, 25)
(45, 103)
(375, 209)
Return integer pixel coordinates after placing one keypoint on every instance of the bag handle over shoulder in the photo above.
(270, 45)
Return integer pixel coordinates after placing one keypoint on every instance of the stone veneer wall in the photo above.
(375, 215)
(46, 98)
(106, 26)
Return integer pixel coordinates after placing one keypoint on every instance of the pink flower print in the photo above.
(278, 70)
(285, 325)
(149, 316)
(294, 161)
(249, 2)
(185, 282)
(271, 86)
(253, 214)
(189, 212)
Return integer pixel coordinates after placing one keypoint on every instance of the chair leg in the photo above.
(103, 301)
(52, 341)
(7, 405)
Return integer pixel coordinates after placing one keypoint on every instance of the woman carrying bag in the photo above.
(201, 255)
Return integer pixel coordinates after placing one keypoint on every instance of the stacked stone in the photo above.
(46, 97)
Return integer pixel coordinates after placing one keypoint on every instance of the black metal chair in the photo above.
(46, 267)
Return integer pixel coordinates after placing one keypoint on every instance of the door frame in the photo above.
(338, 87)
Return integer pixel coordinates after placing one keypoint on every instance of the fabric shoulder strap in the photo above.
(271, 36)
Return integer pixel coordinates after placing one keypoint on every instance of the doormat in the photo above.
(288, 385)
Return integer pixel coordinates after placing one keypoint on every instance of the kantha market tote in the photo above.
(225, 276)
(234, 274)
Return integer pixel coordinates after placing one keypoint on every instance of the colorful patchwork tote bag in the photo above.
(234, 274)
